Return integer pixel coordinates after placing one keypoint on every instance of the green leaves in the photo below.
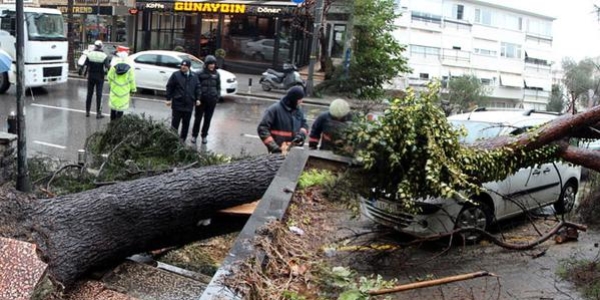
(412, 152)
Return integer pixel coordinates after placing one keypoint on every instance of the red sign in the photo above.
(133, 11)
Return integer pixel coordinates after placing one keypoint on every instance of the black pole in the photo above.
(22, 172)
(70, 36)
(314, 47)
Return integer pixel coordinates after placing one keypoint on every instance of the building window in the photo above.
(424, 76)
(459, 11)
(510, 50)
(512, 22)
(483, 16)
(486, 81)
(542, 28)
(455, 47)
(425, 17)
(485, 52)
(424, 51)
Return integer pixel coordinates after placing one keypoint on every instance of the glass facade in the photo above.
(251, 35)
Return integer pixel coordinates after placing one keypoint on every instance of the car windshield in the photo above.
(477, 130)
(196, 63)
(45, 27)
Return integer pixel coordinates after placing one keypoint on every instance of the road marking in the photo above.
(250, 136)
(64, 108)
(50, 145)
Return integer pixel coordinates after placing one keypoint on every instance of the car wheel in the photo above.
(258, 56)
(266, 87)
(567, 198)
(477, 216)
(4, 83)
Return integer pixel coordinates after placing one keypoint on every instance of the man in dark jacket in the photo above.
(329, 126)
(183, 90)
(210, 84)
(284, 122)
(97, 63)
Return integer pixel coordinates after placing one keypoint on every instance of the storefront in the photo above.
(96, 22)
(253, 34)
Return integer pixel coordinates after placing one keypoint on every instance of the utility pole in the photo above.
(314, 47)
(98, 19)
(23, 183)
(70, 35)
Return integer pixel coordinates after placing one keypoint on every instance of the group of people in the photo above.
(283, 124)
(121, 80)
(188, 92)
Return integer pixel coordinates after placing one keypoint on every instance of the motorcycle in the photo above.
(290, 77)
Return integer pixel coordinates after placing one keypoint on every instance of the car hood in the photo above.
(225, 74)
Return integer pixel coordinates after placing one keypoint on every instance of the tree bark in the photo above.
(75, 233)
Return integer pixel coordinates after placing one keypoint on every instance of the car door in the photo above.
(146, 71)
(168, 65)
(532, 187)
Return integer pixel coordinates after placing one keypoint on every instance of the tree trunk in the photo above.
(77, 232)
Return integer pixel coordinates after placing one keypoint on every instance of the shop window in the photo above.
(150, 59)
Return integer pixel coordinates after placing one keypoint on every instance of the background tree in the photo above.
(557, 99)
(579, 80)
(466, 92)
(377, 56)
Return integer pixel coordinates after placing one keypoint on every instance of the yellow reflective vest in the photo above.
(122, 83)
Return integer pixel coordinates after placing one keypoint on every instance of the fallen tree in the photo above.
(77, 232)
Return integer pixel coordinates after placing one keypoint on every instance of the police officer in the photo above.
(121, 80)
(97, 63)
(284, 122)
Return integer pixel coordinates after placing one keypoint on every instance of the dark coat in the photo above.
(97, 63)
(210, 83)
(328, 130)
(281, 123)
(183, 90)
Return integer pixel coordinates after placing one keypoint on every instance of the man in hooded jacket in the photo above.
(210, 85)
(284, 122)
(121, 80)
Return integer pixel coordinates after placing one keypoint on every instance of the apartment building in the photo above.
(510, 50)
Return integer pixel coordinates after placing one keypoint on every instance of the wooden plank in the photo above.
(244, 209)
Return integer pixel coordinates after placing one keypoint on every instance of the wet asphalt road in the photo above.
(57, 125)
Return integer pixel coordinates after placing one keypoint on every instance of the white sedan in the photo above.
(153, 69)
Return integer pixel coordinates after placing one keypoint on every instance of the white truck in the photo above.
(45, 47)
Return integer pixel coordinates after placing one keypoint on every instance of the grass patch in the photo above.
(584, 274)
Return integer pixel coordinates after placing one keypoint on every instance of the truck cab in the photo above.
(45, 46)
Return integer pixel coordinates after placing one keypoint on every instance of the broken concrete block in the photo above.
(20, 269)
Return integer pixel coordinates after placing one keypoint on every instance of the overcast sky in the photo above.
(576, 28)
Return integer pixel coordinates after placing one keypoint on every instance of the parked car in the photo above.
(153, 69)
(529, 188)
(265, 49)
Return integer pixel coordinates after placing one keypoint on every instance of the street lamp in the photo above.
(98, 19)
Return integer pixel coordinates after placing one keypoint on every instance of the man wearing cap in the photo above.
(284, 122)
(329, 126)
(183, 90)
(97, 63)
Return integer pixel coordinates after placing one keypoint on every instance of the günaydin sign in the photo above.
(232, 8)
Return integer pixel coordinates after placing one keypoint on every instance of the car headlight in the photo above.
(231, 80)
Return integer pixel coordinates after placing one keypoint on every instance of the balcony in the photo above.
(453, 57)
(458, 25)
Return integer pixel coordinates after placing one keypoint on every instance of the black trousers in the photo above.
(115, 114)
(183, 118)
(97, 84)
(206, 109)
